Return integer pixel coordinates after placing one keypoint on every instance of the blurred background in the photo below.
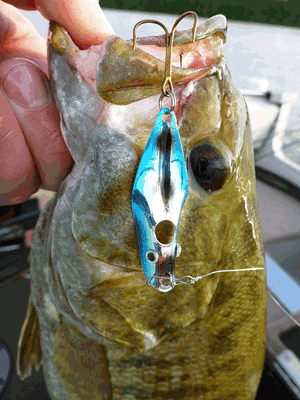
(276, 12)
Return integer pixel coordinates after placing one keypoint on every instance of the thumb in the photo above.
(83, 19)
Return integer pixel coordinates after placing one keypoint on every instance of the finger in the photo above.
(19, 37)
(18, 178)
(28, 93)
(83, 19)
(23, 4)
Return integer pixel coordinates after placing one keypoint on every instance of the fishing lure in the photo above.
(161, 183)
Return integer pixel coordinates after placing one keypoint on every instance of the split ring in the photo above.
(173, 100)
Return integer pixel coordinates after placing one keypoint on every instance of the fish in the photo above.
(93, 324)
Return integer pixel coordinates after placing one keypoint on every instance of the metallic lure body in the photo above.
(159, 192)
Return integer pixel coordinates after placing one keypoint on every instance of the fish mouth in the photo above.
(138, 73)
(122, 75)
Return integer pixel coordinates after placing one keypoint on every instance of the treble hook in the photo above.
(169, 47)
(168, 69)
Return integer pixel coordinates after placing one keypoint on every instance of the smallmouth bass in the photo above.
(95, 326)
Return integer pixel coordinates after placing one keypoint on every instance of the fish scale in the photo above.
(188, 381)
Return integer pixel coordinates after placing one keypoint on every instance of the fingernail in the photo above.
(27, 86)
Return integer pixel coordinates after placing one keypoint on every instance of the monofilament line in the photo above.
(192, 280)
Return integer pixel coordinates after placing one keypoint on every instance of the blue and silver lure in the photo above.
(161, 187)
(158, 195)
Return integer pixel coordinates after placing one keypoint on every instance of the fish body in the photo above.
(93, 324)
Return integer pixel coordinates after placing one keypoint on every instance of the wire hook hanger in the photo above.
(167, 86)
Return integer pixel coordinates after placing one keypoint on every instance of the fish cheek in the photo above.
(242, 240)
(118, 200)
(201, 232)
(102, 221)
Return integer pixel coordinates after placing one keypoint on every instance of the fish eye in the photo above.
(209, 167)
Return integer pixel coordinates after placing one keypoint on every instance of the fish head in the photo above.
(107, 97)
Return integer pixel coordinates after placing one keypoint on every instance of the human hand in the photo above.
(33, 153)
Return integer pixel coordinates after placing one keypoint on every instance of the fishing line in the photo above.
(288, 313)
(192, 280)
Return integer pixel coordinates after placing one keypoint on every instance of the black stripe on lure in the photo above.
(161, 185)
